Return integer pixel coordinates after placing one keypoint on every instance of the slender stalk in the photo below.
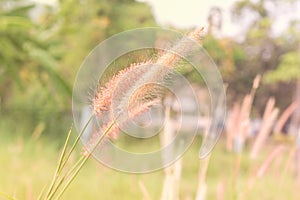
(59, 164)
(64, 157)
(42, 192)
(76, 142)
(202, 187)
(65, 177)
(84, 161)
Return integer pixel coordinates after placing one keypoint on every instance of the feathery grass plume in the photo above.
(133, 112)
(103, 96)
(284, 117)
(134, 89)
(246, 110)
(269, 118)
(124, 88)
(238, 122)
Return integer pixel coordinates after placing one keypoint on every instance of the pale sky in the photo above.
(190, 13)
(193, 13)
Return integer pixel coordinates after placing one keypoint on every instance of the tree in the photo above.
(262, 48)
(289, 70)
(43, 53)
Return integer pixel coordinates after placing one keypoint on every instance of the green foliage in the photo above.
(14, 28)
(124, 16)
(288, 70)
(239, 54)
(41, 54)
(263, 52)
(32, 86)
(243, 6)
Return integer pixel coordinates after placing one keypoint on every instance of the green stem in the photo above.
(42, 192)
(65, 177)
(64, 158)
(84, 161)
(58, 165)
(76, 142)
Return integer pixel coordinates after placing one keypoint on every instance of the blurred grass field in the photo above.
(27, 164)
(44, 45)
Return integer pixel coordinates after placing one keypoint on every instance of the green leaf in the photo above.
(9, 23)
(49, 64)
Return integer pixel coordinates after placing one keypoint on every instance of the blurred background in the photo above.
(254, 43)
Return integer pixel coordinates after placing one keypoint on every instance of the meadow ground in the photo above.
(27, 164)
